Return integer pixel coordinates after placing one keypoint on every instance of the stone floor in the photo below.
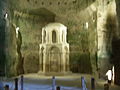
(69, 82)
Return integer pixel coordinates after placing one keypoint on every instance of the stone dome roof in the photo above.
(57, 26)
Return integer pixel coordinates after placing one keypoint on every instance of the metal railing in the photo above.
(19, 84)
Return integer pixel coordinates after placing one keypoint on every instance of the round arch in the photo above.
(54, 36)
(54, 59)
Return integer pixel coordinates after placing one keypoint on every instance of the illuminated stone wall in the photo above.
(78, 15)
(106, 30)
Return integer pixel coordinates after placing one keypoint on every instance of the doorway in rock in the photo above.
(2, 51)
(116, 59)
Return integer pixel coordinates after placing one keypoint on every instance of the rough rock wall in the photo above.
(11, 51)
(2, 36)
(78, 15)
(118, 14)
(116, 60)
(31, 35)
(106, 30)
(115, 47)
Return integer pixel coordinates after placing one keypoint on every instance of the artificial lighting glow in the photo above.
(6, 15)
(17, 29)
(86, 25)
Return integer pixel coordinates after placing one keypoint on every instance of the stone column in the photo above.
(40, 60)
(64, 62)
(60, 35)
(65, 35)
(68, 61)
(44, 61)
(42, 34)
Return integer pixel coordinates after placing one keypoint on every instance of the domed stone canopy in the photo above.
(54, 50)
(54, 33)
(56, 26)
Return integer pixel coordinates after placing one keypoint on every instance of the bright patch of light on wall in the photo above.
(113, 70)
(17, 29)
(86, 25)
(6, 16)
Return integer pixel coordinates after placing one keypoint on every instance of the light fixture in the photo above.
(86, 25)
(17, 29)
(6, 15)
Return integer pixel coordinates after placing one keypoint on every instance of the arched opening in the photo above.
(54, 59)
(44, 36)
(54, 37)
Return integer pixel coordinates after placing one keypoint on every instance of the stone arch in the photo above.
(54, 59)
(54, 36)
